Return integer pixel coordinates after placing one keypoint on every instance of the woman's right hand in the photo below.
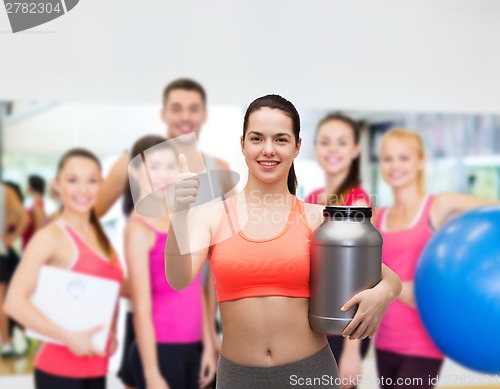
(186, 187)
(156, 381)
(80, 342)
(372, 305)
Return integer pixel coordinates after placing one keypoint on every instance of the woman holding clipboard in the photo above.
(76, 242)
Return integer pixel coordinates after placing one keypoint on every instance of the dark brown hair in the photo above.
(94, 220)
(353, 178)
(37, 184)
(186, 84)
(139, 147)
(285, 106)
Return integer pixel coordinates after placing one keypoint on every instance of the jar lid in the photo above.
(340, 213)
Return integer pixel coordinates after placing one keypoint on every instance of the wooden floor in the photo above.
(16, 366)
(22, 368)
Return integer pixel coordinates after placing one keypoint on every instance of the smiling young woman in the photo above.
(337, 150)
(403, 347)
(258, 245)
(76, 242)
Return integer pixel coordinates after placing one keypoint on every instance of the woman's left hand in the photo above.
(372, 304)
(208, 367)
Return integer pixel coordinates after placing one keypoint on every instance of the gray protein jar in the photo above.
(346, 258)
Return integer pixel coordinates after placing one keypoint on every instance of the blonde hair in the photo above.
(418, 142)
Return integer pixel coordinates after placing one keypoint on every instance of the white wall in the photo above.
(103, 128)
(109, 129)
(414, 55)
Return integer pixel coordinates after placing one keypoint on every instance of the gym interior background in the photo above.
(94, 79)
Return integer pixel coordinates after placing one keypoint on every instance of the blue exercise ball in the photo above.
(457, 289)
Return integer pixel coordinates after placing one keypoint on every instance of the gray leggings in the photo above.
(319, 370)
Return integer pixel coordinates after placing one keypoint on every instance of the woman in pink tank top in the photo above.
(173, 347)
(404, 349)
(75, 241)
(337, 150)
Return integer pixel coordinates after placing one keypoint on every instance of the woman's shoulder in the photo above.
(214, 207)
(54, 230)
(444, 206)
(314, 215)
(137, 224)
(211, 213)
(49, 238)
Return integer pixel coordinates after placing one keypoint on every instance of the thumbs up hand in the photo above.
(186, 186)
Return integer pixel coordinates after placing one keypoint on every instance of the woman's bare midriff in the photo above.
(268, 331)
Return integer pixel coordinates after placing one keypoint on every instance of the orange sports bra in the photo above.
(278, 266)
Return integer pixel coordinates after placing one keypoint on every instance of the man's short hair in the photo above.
(186, 84)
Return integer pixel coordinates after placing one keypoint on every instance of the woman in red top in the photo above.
(338, 154)
(75, 241)
(37, 217)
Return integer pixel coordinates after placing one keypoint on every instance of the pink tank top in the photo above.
(177, 315)
(59, 360)
(401, 330)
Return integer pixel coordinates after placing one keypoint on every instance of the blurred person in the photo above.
(55, 199)
(76, 242)
(17, 189)
(13, 257)
(36, 213)
(13, 221)
(337, 151)
(173, 347)
(184, 111)
(261, 269)
(403, 347)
